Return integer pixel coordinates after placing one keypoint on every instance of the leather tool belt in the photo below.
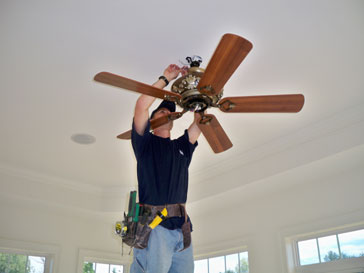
(139, 232)
(176, 210)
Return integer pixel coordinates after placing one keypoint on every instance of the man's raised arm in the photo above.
(141, 112)
(193, 131)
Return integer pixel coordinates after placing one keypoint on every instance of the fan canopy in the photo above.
(192, 99)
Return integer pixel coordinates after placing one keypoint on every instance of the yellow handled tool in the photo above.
(121, 228)
(158, 218)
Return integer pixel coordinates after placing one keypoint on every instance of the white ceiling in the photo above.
(50, 52)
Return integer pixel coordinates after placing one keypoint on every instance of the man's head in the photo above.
(171, 106)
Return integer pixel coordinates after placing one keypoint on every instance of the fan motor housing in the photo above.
(192, 99)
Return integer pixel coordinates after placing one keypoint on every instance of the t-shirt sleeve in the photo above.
(139, 142)
(187, 146)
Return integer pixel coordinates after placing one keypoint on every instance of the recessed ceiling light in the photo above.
(83, 138)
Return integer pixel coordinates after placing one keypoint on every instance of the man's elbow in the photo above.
(193, 141)
(140, 107)
(193, 136)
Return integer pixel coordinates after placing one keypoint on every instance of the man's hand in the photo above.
(173, 70)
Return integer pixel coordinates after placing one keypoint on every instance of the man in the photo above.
(163, 182)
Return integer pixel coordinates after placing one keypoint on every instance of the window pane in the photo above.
(102, 268)
(244, 264)
(352, 244)
(217, 265)
(329, 250)
(308, 252)
(36, 264)
(232, 263)
(12, 261)
(201, 266)
(89, 267)
(116, 268)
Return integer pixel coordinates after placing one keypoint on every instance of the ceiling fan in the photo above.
(203, 88)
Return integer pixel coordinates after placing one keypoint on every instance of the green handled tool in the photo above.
(132, 204)
(136, 213)
(133, 210)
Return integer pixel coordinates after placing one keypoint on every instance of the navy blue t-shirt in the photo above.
(162, 168)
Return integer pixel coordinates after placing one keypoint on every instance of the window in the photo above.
(233, 263)
(10, 262)
(89, 267)
(27, 257)
(333, 247)
(93, 261)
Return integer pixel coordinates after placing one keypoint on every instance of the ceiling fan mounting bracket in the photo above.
(194, 61)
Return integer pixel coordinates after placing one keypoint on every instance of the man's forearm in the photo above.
(194, 131)
(144, 101)
(160, 84)
(141, 112)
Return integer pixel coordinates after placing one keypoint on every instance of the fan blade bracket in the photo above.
(206, 120)
(207, 89)
(226, 105)
(171, 98)
(214, 133)
(176, 116)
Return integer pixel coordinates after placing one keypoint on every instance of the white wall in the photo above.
(320, 195)
(70, 231)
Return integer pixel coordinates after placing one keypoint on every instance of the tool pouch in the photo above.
(142, 236)
(135, 229)
(186, 231)
(137, 235)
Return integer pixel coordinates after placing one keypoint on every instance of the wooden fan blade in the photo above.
(126, 135)
(155, 123)
(119, 81)
(263, 104)
(214, 133)
(228, 55)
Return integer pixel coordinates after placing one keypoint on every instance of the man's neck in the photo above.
(164, 133)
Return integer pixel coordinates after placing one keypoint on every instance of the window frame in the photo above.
(222, 253)
(50, 252)
(96, 256)
(347, 265)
